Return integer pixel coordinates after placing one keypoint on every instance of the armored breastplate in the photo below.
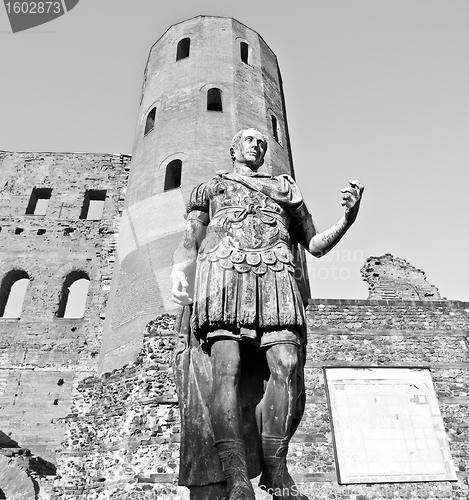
(247, 230)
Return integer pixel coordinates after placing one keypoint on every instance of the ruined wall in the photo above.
(390, 277)
(43, 356)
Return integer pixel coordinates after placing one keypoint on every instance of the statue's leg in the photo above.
(280, 395)
(277, 414)
(226, 418)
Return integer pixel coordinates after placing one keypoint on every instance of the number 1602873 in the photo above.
(34, 7)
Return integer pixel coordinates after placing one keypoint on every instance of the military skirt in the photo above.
(254, 290)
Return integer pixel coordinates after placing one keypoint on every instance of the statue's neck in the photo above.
(243, 169)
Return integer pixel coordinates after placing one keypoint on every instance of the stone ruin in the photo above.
(390, 277)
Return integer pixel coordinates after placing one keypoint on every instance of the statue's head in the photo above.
(249, 147)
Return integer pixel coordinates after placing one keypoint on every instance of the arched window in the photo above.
(150, 123)
(214, 100)
(183, 49)
(275, 129)
(73, 297)
(245, 52)
(12, 293)
(172, 178)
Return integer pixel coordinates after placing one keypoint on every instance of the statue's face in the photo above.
(251, 149)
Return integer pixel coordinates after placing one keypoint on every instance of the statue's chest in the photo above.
(247, 219)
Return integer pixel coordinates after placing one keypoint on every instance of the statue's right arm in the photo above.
(185, 257)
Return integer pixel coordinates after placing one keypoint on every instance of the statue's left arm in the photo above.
(319, 243)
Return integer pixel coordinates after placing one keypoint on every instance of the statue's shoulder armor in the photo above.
(287, 177)
(198, 199)
(217, 184)
(201, 194)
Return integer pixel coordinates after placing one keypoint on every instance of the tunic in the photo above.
(245, 277)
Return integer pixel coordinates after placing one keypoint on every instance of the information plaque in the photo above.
(387, 426)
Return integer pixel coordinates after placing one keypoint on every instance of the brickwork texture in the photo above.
(126, 425)
(43, 356)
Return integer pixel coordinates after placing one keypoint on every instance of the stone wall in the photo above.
(382, 333)
(123, 434)
(43, 356)
(122, 437)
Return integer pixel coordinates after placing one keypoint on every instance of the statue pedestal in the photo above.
(216, 491)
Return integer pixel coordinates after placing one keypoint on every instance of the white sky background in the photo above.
(375, 89)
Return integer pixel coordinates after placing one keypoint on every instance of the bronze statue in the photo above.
(239, 370)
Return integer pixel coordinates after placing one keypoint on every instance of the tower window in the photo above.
(38, 201)
(245, 52)
(275, 129)
(93, 204)
(150, 123)
(12, 293)
(172, 178)
(183, 48)
(214, 100)
(73, 297)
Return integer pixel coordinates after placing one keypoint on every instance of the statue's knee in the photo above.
(226, 363)
(229, 370)
(284, 361)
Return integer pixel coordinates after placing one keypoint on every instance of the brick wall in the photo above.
(384, 333)
(122, 437)
(43, 356)
(126, 425)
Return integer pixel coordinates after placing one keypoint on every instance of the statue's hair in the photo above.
(237, 139)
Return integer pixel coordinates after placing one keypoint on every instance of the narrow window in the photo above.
(12, 293)
(150, 123)
(214, 100)
(93, 204)
(172, 178)
(275, 129)
(38, 201)
(245, 52)
(183, 48)
(73, 297)
(143, 86)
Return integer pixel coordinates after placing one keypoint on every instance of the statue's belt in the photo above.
(237, 214)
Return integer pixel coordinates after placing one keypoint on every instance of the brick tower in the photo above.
(205, 79)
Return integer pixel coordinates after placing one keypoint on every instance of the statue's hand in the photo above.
(179, 289)
(351, 199)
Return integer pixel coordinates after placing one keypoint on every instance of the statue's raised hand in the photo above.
(351, 199)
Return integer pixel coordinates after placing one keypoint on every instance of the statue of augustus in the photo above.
(239, 370)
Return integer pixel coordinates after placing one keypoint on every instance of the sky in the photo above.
(375, 90)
